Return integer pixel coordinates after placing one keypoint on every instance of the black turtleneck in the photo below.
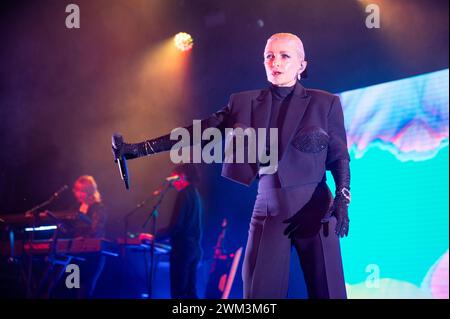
(281, 92)
(280, 101)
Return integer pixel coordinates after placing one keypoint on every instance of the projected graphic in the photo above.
(409, 117)
(398, 141)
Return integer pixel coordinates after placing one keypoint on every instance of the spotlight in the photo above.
(184, 41)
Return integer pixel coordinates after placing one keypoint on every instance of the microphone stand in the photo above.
(154, 215)
(35, 213)
(126, 220)
(125, 235)
(51, 259)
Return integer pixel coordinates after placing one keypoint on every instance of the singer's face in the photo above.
(282, 61)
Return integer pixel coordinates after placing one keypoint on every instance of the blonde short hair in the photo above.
(292, 37)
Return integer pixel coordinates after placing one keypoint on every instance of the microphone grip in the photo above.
(117, 141)
(123, 169)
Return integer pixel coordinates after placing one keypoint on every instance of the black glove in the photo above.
(135, 150)
(340, 170)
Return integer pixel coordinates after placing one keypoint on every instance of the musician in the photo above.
(186, 233)
(90, 224)
(92, 217)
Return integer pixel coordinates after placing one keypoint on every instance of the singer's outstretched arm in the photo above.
(164, 143)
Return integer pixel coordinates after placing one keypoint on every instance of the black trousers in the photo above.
(267, 258)
(183, 272)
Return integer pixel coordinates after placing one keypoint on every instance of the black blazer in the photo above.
(308, 108)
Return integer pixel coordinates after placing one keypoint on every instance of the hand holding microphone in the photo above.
(124, 151)
(135, 150)
(119, 151)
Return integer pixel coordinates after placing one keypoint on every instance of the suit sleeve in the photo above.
(220, 120)
(337, 147)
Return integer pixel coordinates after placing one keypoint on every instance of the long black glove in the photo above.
(149, 147)
(163, 143)
(340, 170)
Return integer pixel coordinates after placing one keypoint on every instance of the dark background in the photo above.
(63, 92)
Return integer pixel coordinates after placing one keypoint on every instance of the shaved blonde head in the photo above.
(284, 59)
(290, 37)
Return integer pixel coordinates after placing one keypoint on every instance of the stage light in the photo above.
(184, 41)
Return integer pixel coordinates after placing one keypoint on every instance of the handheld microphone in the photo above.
(117, 141)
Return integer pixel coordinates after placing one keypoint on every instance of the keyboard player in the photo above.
(90, 223)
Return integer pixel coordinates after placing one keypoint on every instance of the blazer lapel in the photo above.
(261, 109)
(294, 114)
(260, 113)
